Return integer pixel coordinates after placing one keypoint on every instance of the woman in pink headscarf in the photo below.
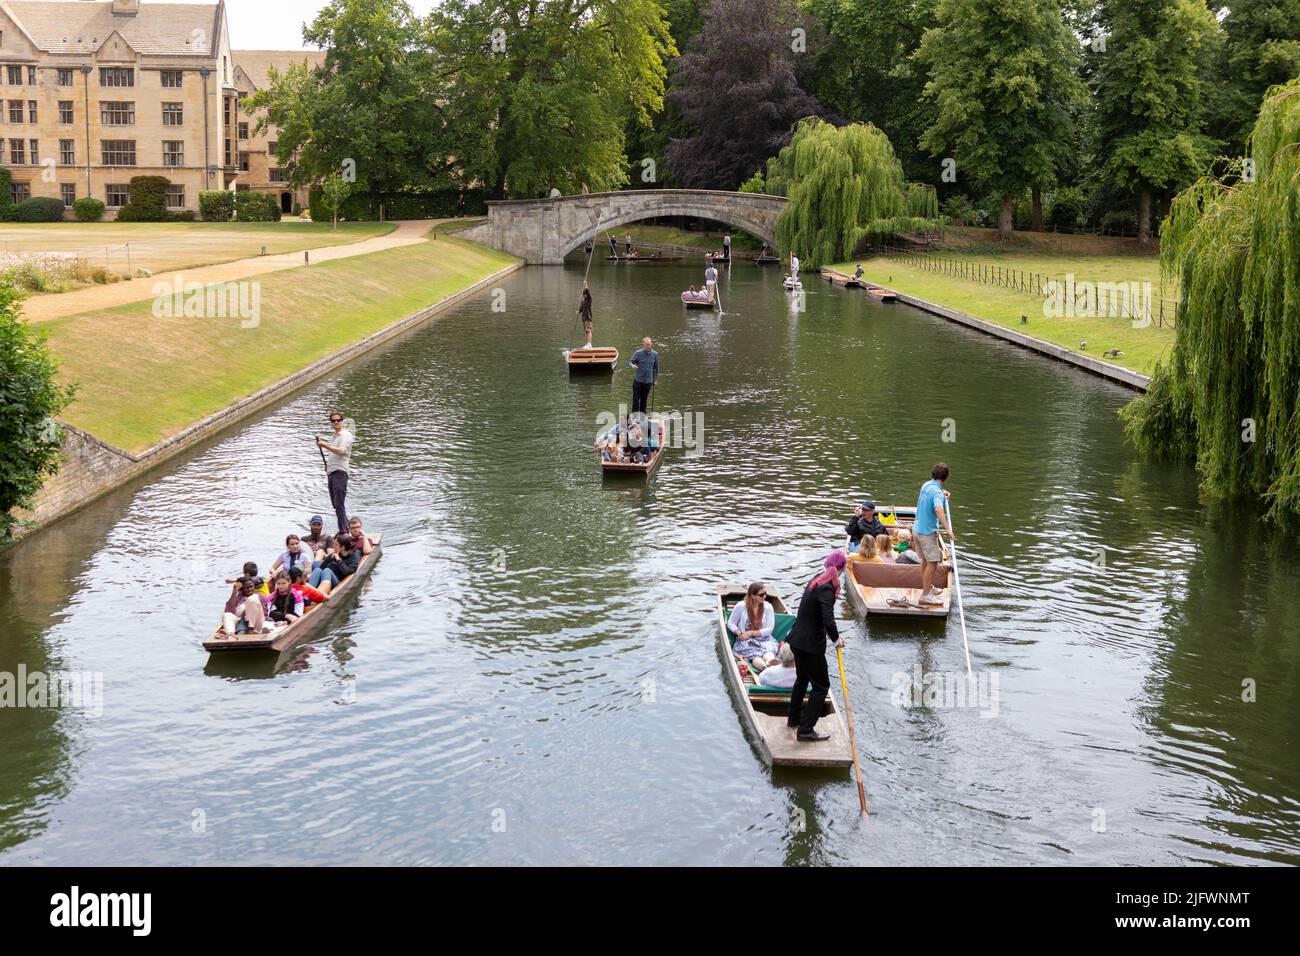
(814, 625)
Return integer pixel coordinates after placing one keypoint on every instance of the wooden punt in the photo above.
(839, 278)
(871, 585)
(791, 285)
(306, 628)
(691, 303)
(766, 260)
(763, 710)
(643, 258)
(881, 293)
(718, 260)
(632, 469)
(599, 358)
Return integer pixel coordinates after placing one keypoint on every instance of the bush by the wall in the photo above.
(216, 205)
(148, 200)
(39, 209)
(256, 207)
(185, 215)
(6, 195)
(88, 209)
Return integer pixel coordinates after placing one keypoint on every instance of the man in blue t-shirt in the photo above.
(931, 514)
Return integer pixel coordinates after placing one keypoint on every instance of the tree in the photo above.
(844, 185)
(737, 93)
(1003, 78)
(29, 399)
(1229, 396)
(1261, 48)
(1149, 87)
(547, 90)
(334, 190)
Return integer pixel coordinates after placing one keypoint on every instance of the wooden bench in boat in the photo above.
(873, 584)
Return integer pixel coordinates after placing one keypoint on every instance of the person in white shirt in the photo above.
(337, 460)
(751, 623)
(794, 266)
(710, 279)
(780, 674)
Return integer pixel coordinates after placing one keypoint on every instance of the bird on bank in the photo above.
(1112, 353)
(1083, 344)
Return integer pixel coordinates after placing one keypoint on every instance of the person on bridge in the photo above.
(646, 362)
(584, 310)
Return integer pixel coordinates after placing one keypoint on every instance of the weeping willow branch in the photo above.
(845, 187)
(1229, 396)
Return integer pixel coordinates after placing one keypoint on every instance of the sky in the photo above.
(277, 24)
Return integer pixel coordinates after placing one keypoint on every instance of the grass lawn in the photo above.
(143, 378)
(166, 246)
(1089, 258)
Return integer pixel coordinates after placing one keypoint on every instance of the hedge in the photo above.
(216, 205)
(256, 207)
(440, 204)
(6, 195)
(88, 209)
(148, 200)
(39, 209)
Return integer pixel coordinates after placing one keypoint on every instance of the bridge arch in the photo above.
(543, 231)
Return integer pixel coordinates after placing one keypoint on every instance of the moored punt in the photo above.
(643, 258)
(878, 588)
(839, 278)
(766, 260)
(763, 710)
(881, 293)
(600, 358)
(306, 628)
(692, 302)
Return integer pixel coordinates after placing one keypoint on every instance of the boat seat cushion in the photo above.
(874, 574)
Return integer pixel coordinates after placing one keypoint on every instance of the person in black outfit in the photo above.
(865, 521)
(814, 624)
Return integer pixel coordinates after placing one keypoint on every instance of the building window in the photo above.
(15, 111)
(175, 197)
(31, 76)
(65, 76)
(243, 162)
(229, 154)
(20, 192)
(65, 113)
(173, 152)
(15, 76)
(277, 175)
(173, 114)
(35, 150)
(225, 110)
(119, 152)
(69, 192)
(67, 152)
(31, 111)
(117, 195)
(117, 114)
(243, 131)
(17, 152)
(171, 79)
(116, 76)
(272, 148)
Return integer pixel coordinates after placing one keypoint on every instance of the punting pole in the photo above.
(956, 585)
(853, 737)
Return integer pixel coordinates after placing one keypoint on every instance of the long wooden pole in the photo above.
(853, 736)
(956, 587)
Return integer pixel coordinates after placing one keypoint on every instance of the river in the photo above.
(530, 677)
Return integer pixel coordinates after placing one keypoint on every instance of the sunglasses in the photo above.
(335, 421)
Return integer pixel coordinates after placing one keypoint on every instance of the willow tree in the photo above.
(1229, 396)
(845, 185)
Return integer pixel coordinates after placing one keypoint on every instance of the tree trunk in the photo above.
(336, 218)
(1036, 217)
(381, 212)
(1007, 221)
(1144, 218)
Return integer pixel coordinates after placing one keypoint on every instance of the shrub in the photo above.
(1117, 222)
(1069, 208)
(256, 207)
(88, 209)
(960, 211)
(39, 209)
(185, 215)
(754, 184)
(216, 205)
(148, 200)
(6, 195)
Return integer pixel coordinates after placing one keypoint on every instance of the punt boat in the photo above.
(895, 589)
(599, 358)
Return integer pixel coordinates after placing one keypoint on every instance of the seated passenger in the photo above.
(866, 550)
(885, 549)
(857, 273)
(751, 623)
(286, 603)
(906, 553)
(780, 674)
(250, 571)
(610, 444)
(244, 611)
(316, 539)
(340, 564)
(311, 596)
(295, 555)
(359, 535)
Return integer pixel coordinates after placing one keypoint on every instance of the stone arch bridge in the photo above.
(543, 231)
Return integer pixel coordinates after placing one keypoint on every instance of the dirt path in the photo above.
(43, 308)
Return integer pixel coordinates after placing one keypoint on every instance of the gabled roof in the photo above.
(257, 64)
(82, 26)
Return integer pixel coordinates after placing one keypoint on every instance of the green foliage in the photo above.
(1004, 82)
(754, 184)
(845, 187)
(1068, 208)
(334, 189)
(88, 209)
(6, 195)
(216, 205)
(1261, 48)
(1118, 222)
(960, 211)
(148, 200)
(30, 398)
(39, 209)
(1235, 248)
(253, 206)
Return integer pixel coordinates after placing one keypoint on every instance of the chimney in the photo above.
(126, 8)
